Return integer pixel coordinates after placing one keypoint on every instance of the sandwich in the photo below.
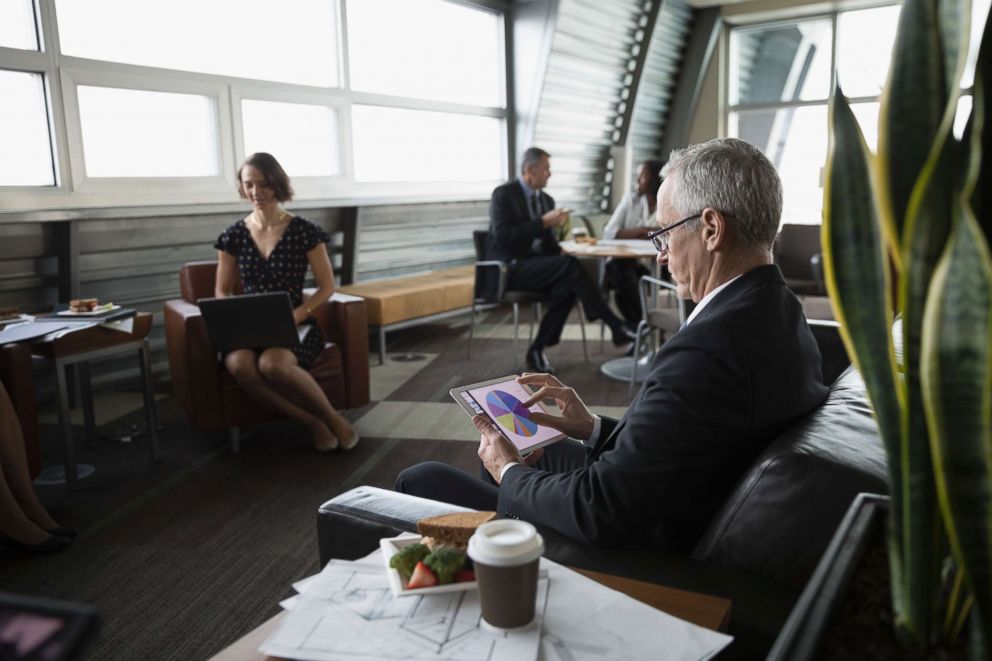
(452, 529)
(83, 304)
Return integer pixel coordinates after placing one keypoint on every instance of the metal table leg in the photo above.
(86, 395)
(151, 412)
(66, 424)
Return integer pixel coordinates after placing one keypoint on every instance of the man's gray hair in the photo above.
(731, 176)
(532, 156)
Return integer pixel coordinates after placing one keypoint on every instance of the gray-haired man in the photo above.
(744, 366)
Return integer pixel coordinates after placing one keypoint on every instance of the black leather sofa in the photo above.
(758, 551)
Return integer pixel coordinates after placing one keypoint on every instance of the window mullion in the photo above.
(59, 124)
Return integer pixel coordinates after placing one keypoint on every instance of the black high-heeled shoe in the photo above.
(51, 544)
(64, 531)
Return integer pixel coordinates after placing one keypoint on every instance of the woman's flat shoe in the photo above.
(351, 442)
(50, 544)
(64, 531)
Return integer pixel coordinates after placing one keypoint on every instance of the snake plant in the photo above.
(906, 238)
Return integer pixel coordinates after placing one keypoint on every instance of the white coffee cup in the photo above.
(506, 553)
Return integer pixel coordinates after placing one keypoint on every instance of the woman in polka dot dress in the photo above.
(270, 249)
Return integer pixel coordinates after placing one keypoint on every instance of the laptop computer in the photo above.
(251, 321)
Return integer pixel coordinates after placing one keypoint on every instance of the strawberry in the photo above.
(464, 576)
(422, 577)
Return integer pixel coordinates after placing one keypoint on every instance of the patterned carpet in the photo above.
(185, 556)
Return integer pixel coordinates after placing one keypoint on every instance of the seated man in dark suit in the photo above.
(522, 219)
(743, 368)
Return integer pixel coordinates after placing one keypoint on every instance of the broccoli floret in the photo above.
(407, 558)
(445, 561)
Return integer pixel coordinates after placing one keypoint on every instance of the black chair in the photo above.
(491, 289)
(797, 252)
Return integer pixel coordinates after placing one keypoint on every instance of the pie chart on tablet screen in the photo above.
(510, 412)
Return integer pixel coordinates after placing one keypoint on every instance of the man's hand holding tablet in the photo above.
(496, 451)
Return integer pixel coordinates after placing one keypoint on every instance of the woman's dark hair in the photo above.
(275, 177)
(654, 166)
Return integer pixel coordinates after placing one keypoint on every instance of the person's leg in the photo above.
(243, 366)
(280, 368)
(592, 300)
(625, 275)
(22, 516)
(448, 484)
(547, 274)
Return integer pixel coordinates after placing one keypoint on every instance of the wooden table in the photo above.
(619, 368)
(627, 249)
(79, 347)
(704, 610)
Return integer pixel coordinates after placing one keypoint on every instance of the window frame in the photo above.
(74, 189)
(765, 20)
(73, 77)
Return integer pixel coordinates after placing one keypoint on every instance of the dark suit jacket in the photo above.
(511, 230)
(718, 392)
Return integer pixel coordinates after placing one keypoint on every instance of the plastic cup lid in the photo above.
(505, 542)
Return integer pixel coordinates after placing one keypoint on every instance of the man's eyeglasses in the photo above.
(659, 238)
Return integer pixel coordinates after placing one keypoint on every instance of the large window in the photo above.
(780, 78)
(122, 127)
(304, 135)
(455, 54)
(294, 41)
(24, 134)
(17, 25)
(117, 101)
(396, 144)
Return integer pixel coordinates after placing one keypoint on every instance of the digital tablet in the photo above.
(34, 628)
(501, 400)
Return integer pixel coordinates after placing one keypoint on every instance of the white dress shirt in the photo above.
(632, 212)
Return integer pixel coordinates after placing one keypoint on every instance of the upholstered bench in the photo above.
(410, 300)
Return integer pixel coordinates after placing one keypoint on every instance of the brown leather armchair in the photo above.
(212, 399)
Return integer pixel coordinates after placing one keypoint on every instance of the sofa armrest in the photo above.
(193, 364)
(343, 320)
(351, 524)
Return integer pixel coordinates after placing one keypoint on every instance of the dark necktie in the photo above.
(535, 205)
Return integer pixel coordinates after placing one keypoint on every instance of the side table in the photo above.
(79, 347)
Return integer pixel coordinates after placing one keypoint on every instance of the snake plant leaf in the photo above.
(957, 383)
(856, 267)
(857, 276)
(955, 26)
(928, 225)
(913, 105)
(979, 187)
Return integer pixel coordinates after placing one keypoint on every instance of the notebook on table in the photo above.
(251, 321)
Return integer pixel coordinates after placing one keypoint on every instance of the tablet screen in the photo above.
(503, 403)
